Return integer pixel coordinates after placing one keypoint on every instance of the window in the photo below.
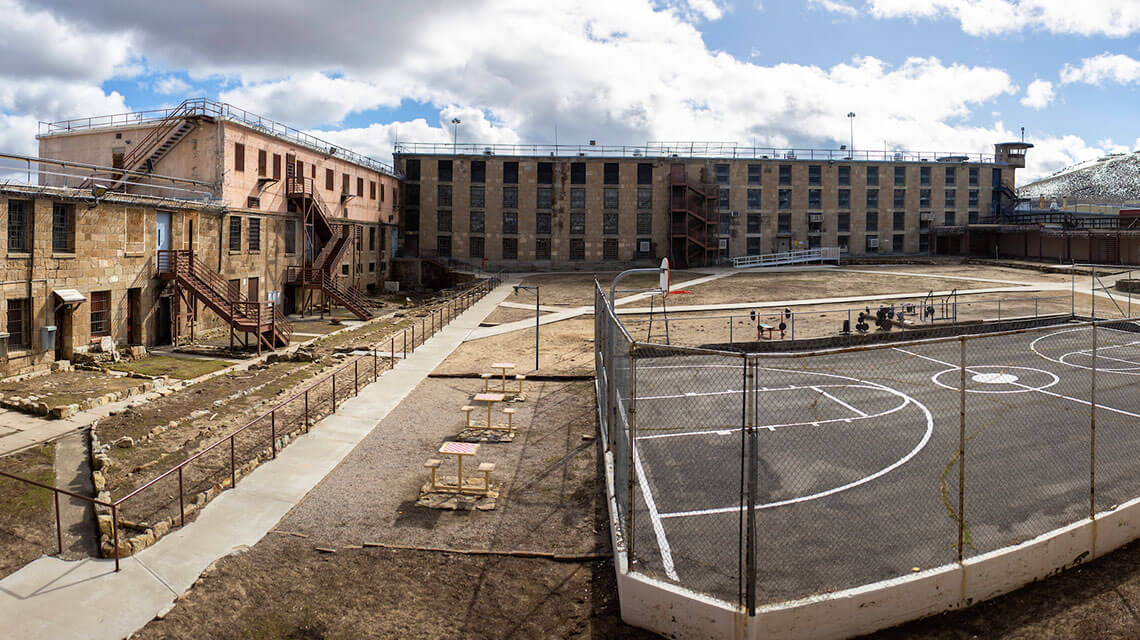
(610, 249)
(344, 267)
(510, 248)
(785, 174)
(478, 171)
(577, 224)
(924, 176)
(900, 198)
(545, 173)
(360, 187)
(411, 170)
(277, 166)
(644, 224)
(510, 197)
(724, 224)
(924, 243)
(996, 180)
(973, 217)
(235, 233)
(973, 198)
(411, 220)
(610, 173)
(949, 219)
(542, 223)
(754, 246)
(897, 243)
(813, 242)
(645, 198)
(239, 157)
(843, 199)
(951, 176)
(381, 192)
(255, 234)
(18, 237)
(843, 223)
(844, 175)
(754, 198)
(924, 198)
(442, 246)
(785, 199)
(478, 197)
(290, 236)
(444, 171)
(63, 228)
(951, 197)
(872, 176)
(544, 197)
(542, 248)
(371, 189)
(644, 173)
(610, 198)
(973, 176)
(577, 198)
(784, 223)
(754, 173)
(476, 247)
(872, 198)
(900, 221)
(19, 322)
(510, 173)
(510, 222)
(815, 199)
(900, 176)
(443, 221)
(100, 314)
(722, 174)
(344, 183)
(329, 179)
(815, 175)
(371, 267)
(577, 173)
(610, 223)
(872, 221)
(261, 163)
(411, 193)
(722, 200)
(577, 249)
(443, 192)
(476, 222)
(755, 223)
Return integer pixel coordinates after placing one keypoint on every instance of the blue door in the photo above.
(162, 231)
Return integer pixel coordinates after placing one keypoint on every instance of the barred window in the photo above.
(754, 198)
(900, 221)
(235, 233)
(755, 223)
(18, 240)
(510, 222)
(100, 314)
(872, 221)
(722, 174)
(510, 248)
(511, 172)
(785, 201)
(445, 170)
(544, 198)
(900, 176)
(610, 173)
(844, 175)
(872, 176)
(442, 246)
(444, 191)
(255, 234)
(924, 198)
(949, 219)
(754, 246)
(785, 223)
(577, 173)
(577, 249)
(510, 197)
(577, 198)
(63, 228)
(610, 199)
(973, 176)
(973, 198)
(542, 223)
(542, 248)
(951, 198)
(478, 197)
(785, 174)
(843, 200)
(443, 221)
(900, 198)
(815, 199)
(843, 223)
(19, 322)
(476, 222)
(610, 249)
(723, 199)
(951, 176)
(577, 224)
(644, 224)
(645, 198)
(815, 174)
(754, 173)
(610, 223)
(924, 176)
(476, 246)
(478, 171)
(872, 198)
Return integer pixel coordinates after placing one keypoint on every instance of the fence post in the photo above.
(1092, 429)
(233, 465)
(749, 418)
(962, 450)
(306, 410)
(181, 502)
(334, 392)
(392, 345)
(58, 525)
(356, 377)
(373, 364)
(730, 329)
(273, 432)
(632, 434)
(115, 532)
(404, 334)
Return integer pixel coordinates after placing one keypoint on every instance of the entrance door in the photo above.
(783, 245)
(162, 321)
(189, 234)
(309, 244)
(62, 329)
(162, 231)
(134, 314)
(253, 292)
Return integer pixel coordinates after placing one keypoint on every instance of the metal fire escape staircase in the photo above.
(693, 227)
(263, 319)
(322, 272)
(163, 137)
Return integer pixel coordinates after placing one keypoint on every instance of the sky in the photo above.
(920, 75)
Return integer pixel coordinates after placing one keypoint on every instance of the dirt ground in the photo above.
(27, 514)
(565, 348)
(68, 387)
(175, 367)
(551, 499)
(577, 289)
(507, 314)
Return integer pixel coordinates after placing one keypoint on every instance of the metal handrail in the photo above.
(156, 135)
(788, 257)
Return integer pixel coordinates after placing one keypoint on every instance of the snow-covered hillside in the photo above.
(1109, 179)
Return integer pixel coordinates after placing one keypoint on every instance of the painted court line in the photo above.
(651, 505)
(838, 401)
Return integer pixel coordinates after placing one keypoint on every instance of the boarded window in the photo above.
(360, 187)
(277, 166)
(610, 249)
(329, 179)
(100, 314)
(371, 189)
(239, 157)
(235, 233)
(344, 183)
(255, 234)
(135, 222)
(261, 162)
(290, 236)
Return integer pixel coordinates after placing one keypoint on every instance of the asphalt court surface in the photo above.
(857, 470)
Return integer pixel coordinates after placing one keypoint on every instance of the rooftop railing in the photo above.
(689, 150)
(221, 110)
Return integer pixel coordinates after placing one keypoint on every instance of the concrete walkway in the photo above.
(52, 598)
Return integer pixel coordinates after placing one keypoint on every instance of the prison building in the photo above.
(344, 205)
(559, 206)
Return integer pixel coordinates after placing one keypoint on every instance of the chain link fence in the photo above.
(766, 477)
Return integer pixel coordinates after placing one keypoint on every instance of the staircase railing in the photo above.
(158, 134)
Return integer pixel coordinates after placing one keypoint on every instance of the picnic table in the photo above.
(459, 449)
(490, 399)
(503, 366)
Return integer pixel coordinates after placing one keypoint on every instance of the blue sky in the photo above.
(937, 75)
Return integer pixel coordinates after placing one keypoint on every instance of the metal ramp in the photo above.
(821, 255)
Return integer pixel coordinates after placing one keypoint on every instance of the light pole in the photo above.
(851, 120)
(454, 135)
(535, 289)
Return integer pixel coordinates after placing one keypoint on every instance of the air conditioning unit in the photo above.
(926, 216)
(815, 217)
(734, 214)
(872, 243)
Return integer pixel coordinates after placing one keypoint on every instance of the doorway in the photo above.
(783, 245)
(63, 333)
(253, 292)
(134, 316)
(162, 231)
(162, 317)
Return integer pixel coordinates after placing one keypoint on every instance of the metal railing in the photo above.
(713, 150)
(822, 254)
(49, 173)
(215, 109)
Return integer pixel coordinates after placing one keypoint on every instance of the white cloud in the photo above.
(1038, 94)
(1113, 18)
(1104, 67)
(171, 85)
(834, 6)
